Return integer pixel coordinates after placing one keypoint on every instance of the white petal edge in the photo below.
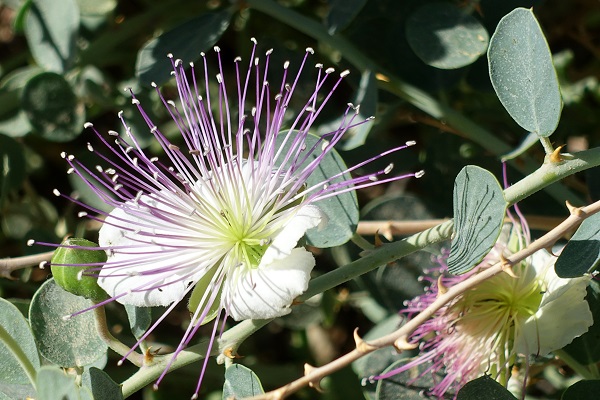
(286, 240)
(563, 314)
(269, 290)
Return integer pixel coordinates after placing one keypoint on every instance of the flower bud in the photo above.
(69, 264)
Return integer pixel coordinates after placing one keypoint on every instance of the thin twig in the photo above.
(8, 265)
(391, 228)
(136, 359)
(400, 338)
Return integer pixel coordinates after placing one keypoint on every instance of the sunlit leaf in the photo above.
(522, 73)
(68, 343)
(241, 382)
(479, 208)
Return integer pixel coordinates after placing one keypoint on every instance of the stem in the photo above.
(548, 148)
(7, 265)
(19, 355)
(412, 94)
(119, 348)
(230, 339)
(575, 365)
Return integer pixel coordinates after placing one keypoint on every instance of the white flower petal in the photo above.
(287, 239)
(268, 291)
(146, 281)
(563, 313)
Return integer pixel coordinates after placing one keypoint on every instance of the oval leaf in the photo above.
(51, 29)
(522, 73)
(101, 385)
(484, 388)
(185, 41)
(410, 384)
(70, 343)
(241, 382)
(581, 255)
(52, 107)
(54, 384)
(479, 208)
(18, 329)
(444, 36)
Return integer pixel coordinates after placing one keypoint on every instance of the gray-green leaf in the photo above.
(445, 36)
(52, 108)
(70, 343)
(51, 30)
(479, 208)
(241, 382)
(185, 41)
(522, 73)
(582, 254)
(18, 329)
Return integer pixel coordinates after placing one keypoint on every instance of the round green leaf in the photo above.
(12, 165)
(52, 107)
(444, 36)
(54, 384)
(185, 41)
(69, 277)
(341, 211)
(241, 382)
(68, 343)
(522, 73)
(581, 255)
(139, 319)
(479, 208)
(51, 29)
(484, 387)
(18, 329)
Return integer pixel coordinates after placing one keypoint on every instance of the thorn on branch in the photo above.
(231, 353)
(361, 345)
(402, 344)
(316, 383)
(555, 157)
(442, 289)
(576, 211)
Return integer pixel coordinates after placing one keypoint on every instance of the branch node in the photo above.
(576, 211)
(507, 266)
(315, 383)
(231, 353)
(555, 157)
(442, 289)
(362, 346)
(401, 344)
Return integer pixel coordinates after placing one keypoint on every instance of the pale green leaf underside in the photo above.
(522, 73)
(479, 208)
